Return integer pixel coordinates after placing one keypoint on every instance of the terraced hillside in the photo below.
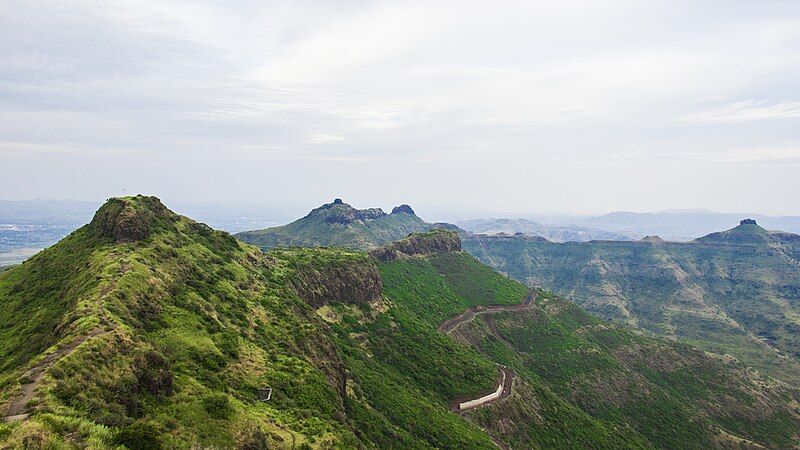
(145, 329)
(735, 292)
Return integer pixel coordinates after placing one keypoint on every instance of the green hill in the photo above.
(338, 224)
(735, 292)
(145, 329)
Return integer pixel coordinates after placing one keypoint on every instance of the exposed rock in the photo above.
(402, 209)
(748, 222)
(342, 213)
(448, 226)
(435, 241)
(129, 219)
(371, 213)
(345, 282)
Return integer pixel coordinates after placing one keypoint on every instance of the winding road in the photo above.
(506, 376)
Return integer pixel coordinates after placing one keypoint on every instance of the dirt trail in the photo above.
(17, 409)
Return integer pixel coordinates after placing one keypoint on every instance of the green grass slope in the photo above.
(583, 382)
(338, 224)
(735, 292)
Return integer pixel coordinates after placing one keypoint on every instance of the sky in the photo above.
(569, 106)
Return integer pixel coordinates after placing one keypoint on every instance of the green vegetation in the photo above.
(155, 331)
(736, 292)
(184, 325)
(582, 381)
(338, 224)
(446, 284)
(145, 329)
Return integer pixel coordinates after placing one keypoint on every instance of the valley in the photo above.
(734, 292)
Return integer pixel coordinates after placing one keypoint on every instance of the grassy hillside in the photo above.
(145, 329)
(735, 292)
(150, 330)
(584, 382)
(338, 224)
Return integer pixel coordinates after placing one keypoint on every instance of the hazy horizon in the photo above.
(280, 214)
(470, 107)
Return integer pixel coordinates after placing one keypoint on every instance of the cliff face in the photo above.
(731, 292)
(435, 241)
(341, 278)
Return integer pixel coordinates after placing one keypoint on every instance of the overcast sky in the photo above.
(562, 106)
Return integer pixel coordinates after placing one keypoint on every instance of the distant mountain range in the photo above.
(734, 292)
(338, 224)
(565, 233)
(677, 225)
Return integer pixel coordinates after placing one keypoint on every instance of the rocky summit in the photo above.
(339, 224)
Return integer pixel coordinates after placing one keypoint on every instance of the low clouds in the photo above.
(750, 110)
(493, 100)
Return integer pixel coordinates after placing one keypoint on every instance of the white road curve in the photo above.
(486, 398)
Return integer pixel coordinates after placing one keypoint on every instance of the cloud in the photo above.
(24, 149)
(749, 110)
(325, 138)
(465, 90)
(789, 152)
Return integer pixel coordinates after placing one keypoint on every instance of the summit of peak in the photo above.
(402, 209)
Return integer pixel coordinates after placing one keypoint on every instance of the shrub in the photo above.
(154, 374)
(217, 405)
(255, 439)
(138, 436)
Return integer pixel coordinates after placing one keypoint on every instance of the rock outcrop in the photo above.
(129, 219)
(434, 241)
(346, 281)
(342, 213)
(402, 209)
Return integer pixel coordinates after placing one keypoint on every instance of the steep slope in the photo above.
(734, 292)
(581, 382)
(338, 224)
(555, 233)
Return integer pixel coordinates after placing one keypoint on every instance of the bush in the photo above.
(154, 374)
(255, 439)
(217, 405)
(138, 436)
(228, 343)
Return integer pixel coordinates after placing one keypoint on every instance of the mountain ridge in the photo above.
(340, 224)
